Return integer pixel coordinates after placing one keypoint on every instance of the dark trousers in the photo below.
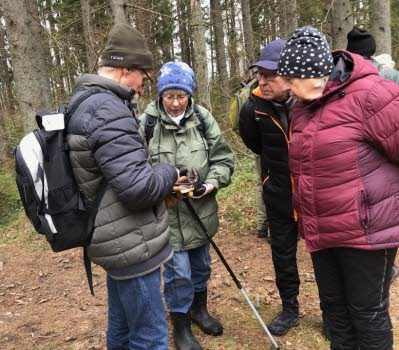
(284, 241)
(354, 293)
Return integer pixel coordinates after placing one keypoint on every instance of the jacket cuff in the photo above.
(213, 182)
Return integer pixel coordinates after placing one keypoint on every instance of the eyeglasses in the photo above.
(146, 77)
(146, 74)
(267, 77)
(170, 98)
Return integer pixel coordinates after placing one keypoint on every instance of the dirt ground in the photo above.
(45, 302)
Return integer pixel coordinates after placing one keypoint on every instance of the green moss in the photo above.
(10, 204)
(237, 202)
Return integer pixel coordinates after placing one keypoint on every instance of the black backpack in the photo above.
(151, 121)
(49, 193)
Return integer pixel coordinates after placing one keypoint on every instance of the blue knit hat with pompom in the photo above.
(176, 75)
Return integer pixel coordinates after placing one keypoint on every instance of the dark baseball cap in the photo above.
(269, 55)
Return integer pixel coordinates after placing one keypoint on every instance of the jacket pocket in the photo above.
(362, 208)
(162, 153)
(199, 146)
(199, 158)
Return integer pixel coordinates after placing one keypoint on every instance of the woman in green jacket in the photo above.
(182, 133)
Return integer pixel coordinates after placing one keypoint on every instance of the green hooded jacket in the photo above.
(386, 73)
(185, 147)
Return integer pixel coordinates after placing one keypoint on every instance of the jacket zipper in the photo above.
(363, 209)
(288, 143)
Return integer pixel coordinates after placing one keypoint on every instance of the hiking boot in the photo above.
(182, 333)
(263, 233)
(283, 322)
(394, 273)
(201, 317)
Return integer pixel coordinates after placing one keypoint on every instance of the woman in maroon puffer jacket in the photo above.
(344, 158)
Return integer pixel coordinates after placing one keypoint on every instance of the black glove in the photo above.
(182, 171)
(192, 175)
(199, 189)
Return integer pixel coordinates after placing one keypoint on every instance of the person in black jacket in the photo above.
(264, 128)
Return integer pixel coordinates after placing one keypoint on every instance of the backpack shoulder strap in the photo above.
(71, 108)
(150, 122)
(202, 126)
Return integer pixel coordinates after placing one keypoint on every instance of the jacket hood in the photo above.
(86, 81)
(348, 67)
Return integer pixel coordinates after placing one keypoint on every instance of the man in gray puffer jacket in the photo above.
(131, 236)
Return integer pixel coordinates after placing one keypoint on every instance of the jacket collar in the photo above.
(87, 81)
(348, 67)
(156, 109)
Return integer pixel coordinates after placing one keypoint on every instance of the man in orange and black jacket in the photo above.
(264, 128)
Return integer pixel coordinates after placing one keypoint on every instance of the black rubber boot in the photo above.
(200, 315)
(182, 334)
(281, 324)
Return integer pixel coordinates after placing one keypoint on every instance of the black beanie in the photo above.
(306, 54)
(360, 41)
(126, 47)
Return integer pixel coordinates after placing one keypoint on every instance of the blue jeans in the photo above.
(186, 273)
(136, 317)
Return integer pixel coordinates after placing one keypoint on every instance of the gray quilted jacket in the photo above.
(131, 228)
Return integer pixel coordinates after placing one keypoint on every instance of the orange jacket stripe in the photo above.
(288, 142)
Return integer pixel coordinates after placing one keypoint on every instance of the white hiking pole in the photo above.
(233, 276)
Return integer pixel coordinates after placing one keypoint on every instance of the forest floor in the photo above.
(45, 302)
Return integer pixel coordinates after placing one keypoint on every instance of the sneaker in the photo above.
(285, 320)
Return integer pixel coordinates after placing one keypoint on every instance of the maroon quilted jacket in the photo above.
(344, 158)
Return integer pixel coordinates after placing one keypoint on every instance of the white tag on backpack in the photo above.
(53, 122)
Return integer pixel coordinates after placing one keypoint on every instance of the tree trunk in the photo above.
(326, 25)
(91, 55)
(381, 25)
(201, 61)
(118, 9)
(182, 15)
(57, 68)
(29, 57)
(255, 24)
(6, 76)
(291, 20)
(217, 23)
(143, 20)
(166, 27)
(232, 46)
(341, 23)
(247, 30)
